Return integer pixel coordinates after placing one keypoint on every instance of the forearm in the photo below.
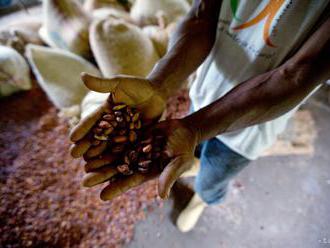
(269, 95)
(189, 46)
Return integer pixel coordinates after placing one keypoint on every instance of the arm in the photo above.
(190, 44)
(271, 94)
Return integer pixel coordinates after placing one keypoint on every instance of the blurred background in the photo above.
(280, 200)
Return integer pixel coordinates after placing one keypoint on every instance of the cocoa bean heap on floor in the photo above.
(122, 129)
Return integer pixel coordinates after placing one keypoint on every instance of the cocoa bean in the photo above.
(124, 169)
(98, 130)
(119, 107)
(96, 142)
(119, 119)
(114, 123)
(143, 170)
(118, 113)
(122, 132)
(146, 141)
(137, 124)
(100, 137)
(132, 136)
(120, 139)
(118, 149)
(131, 126)
(133, 156)
(136, 117)
(109, 130)
(104, 124)
(108, 117)
(127, 118)
(145, 163)
(147, 148)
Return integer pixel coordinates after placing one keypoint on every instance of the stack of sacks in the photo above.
(65, 26)
(14, 72)
(108, 33)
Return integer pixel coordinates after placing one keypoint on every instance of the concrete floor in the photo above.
(276, 202)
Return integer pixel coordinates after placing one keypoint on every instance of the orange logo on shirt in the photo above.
(268, 13)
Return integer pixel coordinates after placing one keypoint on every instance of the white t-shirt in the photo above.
(253, 37)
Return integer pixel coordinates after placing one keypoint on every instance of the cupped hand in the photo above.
(180, 145)
(134, 91)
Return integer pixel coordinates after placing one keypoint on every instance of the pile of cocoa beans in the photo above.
(124, 132)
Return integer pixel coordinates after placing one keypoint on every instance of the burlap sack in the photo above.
(159, 36)
(144, 12)
(58, 73)
(14, 72)
(20, 33)
(65, 26)
(90, 5)
(121, 48)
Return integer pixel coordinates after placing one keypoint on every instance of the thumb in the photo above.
(171, 173)
(102, 85)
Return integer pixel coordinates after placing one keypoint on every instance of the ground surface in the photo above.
(276, 202)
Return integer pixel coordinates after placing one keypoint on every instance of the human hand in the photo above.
(136, 92)
(181, 141)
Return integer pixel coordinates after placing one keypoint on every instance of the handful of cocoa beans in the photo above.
(124, 132)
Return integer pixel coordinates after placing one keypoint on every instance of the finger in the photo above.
(102, 85)
(124, 184)
(99, 176)
(98, 163)
(78, 149)
(170, 174)
(83, 127)
(96, 150)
